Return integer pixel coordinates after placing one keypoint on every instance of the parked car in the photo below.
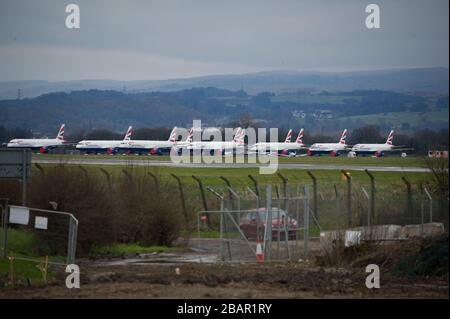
(253, 224)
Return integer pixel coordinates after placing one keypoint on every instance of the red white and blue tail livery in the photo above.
(103, 146)
(332, 149)
(150, 147)
(378, 150)
(60, 135)
(299, 139)
(41, 145)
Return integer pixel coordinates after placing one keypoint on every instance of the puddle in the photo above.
(163, 259)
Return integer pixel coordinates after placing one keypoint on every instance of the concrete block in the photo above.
(429, 229)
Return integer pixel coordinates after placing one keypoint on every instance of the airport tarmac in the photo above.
(157, 163)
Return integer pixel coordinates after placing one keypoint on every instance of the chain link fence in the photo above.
(31, 234)
(270, 220)
(288, 219)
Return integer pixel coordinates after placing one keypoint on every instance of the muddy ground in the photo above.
(197, 273)
(230, 281)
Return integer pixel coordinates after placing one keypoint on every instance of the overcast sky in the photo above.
(160, 39)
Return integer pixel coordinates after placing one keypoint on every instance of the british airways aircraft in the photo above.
(42, 145)
(333, 149)
(221, 147)
(102, 146)
(152, 147)
(283, 148)
(378, 150)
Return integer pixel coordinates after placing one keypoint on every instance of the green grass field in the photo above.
(238, 177)
(393, 160)
(24, 247)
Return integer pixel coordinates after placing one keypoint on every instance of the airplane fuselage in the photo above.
(102, 146)
(268, 147)
(334, 149)
(371, 149)
(145, 146)
(43, 145)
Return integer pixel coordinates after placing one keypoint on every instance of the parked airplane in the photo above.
(285, 148)
(102, 146)
(221, 147)
(333, 149)
(42, 145)
(378, 150)
(148, 146)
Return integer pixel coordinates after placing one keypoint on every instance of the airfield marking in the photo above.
(150, 163)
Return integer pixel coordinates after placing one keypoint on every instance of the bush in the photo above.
(133, 210)
(148, 214)
(81, 193)
(431, 259)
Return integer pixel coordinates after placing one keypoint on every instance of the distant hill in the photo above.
(434, 80)
(325, 111)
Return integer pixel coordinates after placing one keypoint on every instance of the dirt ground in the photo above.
(196, 273)
(229, 281)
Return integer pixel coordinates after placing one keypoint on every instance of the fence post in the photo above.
(349, 196)
(285, 190)
(24, 178)
(183, 202)
(255, 182)
(316, 203)
(202, 194)
(127, 174)
(230, 195)
(81, 168)
(306, 222)
(409, 208)
(222, 253)
(268, 229)
(338, 208)
(431, 203)
(155, 179)
(372, 195)
(5, 217)
(258, 235)
(108, 177)
(422, 207)
(368, 205)
(74, 238)
(40, 168)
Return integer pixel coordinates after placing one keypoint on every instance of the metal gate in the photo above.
(278, 226)
(50, 233)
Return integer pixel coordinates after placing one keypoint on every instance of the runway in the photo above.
(158, 163)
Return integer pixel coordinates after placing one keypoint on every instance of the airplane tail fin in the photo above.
(128, 134)
(299, 139)
(343, 137)
(288, 137)
(190, 136)
(173, 135)
(236, 135)
(390, 138)
(239, 136)
(60, 135)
